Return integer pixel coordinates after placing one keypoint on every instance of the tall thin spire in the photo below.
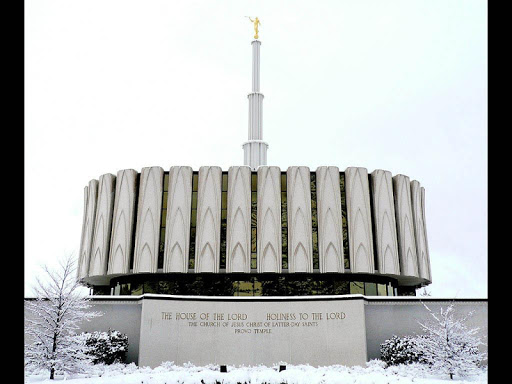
(255, 149)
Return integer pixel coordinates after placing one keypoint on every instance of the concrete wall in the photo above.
(308, 329)
(388, 317)
(120, 315)
(123, 316)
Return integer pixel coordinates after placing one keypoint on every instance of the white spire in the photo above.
(255, 149)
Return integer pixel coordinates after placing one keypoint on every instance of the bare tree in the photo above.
(53, 317)
(448, 345)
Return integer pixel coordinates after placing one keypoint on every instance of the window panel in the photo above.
(370, 289)
(137, 289)
(164, 202)
(356, 287)
(248, 285)
(254, 182)
(344, 220)
(284, 221)
(166, 181)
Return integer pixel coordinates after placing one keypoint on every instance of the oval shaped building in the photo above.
(254, 230)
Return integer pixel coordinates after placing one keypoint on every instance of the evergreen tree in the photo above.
(400, 350)
(53, 317)
(106, 347)
(448, 345)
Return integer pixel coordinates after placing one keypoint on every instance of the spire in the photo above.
(255, 149)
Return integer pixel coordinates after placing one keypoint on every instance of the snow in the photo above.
(448, 345)
(54, 318)
(168, 373)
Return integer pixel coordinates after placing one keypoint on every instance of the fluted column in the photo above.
(330, 224)
(255, 149)
(269, 220)
(405, 226)
(385, 223)
(300, 241)
(360, 235)
(91, 195)
(103, 225)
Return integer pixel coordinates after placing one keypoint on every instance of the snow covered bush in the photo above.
(400, 350)
(106, 347)
(448, 345)
(53, 317)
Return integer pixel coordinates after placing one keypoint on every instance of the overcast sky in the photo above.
(394, 85)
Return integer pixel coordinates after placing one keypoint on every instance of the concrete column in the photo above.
(103, 225)
(360, 235)
(91, 195)
(147, 235)
(123, 222)
(238, 234)
(385, 223)
(405, 226)
(300, 241)
(330, 224)
(425, 232)
(419, 230)
(177, 226)
(207, 258)
(269, 256)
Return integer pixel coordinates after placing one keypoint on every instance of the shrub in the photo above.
(400, 350)
(106, 347)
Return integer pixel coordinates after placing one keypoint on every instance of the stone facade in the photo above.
(318, 331)
(385, 222)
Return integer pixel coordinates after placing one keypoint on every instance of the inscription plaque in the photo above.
(252, 331)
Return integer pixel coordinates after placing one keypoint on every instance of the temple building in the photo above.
(255, 229)
(255, 264)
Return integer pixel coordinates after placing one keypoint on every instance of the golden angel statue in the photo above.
(256, 22)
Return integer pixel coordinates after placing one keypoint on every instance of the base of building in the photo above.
(315, 330)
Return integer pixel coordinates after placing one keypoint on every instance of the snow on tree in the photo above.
(53, 318)
(448, 345)
(400, 350)
(106, 347)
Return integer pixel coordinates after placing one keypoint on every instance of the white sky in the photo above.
(394, 85)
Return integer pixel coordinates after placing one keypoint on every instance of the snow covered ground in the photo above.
(168, 373)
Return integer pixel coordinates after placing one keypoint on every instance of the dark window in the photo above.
(254, 284)
(254, 219)
(102, 290)
(346, 254)
(163, 221)
(137, 289)
(151, 286)
(284, 221)
(223, 219)
(193, 220)
(406, 291)
(314, 221)
(340, 288)
(372, 219)
(137, 185)
(126, 289)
